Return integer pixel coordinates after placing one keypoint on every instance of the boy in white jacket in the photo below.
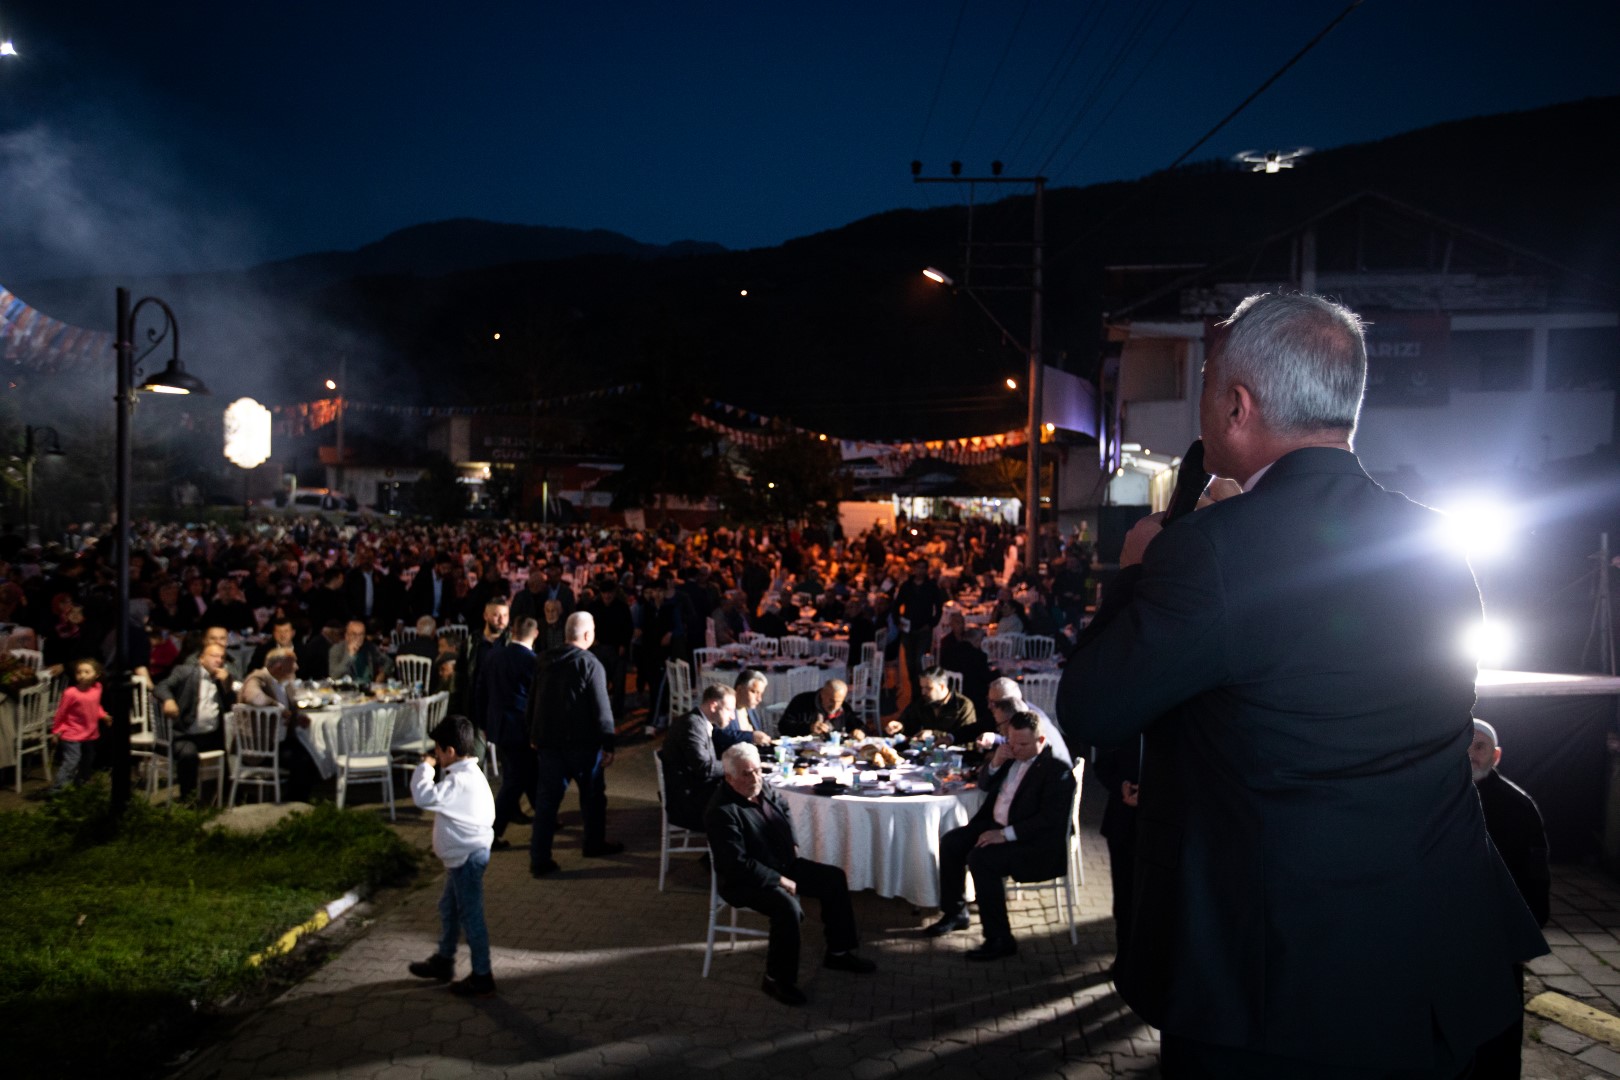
(463, 829)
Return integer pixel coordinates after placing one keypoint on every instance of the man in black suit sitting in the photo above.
(691, 770)
(756, 860)
(1021, 831)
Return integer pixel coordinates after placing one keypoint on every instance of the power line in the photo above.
(991, 85)
(940, 84)
(1228, 118)
(1073, 52)
(1143, 70)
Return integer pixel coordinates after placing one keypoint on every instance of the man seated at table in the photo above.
(820, 712)
(315, 654)
(195, 697)
(757, 864)
(270, 686)
(1006, 701)
(281, 637)
(691, 768)
(356, 657)
(939, 709)
(426, 642)
(1021, 830)
(747, 725)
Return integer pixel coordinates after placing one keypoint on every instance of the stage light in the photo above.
(1480, 526)
(743, 293)
(7, 48)
(1488, 643)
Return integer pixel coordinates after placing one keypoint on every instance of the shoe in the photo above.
(947, 923)
(856, 965)
(520, 818)
(500, 843)
(436, 967)
(602, 851)
(542, 869)
(994, 949)
(474, 985)
(785, 992)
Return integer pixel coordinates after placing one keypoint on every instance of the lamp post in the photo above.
(36, 441)
(173, 379)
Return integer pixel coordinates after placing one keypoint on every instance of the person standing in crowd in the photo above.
(571, 729)
(77, 726)
(1320, 898)
(1515, 825)
(918, 605)
(508, 677)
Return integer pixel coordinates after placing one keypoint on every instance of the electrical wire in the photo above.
(994, 75)
(1139, 193)
(940, 84)
(1072, 52)
(1100, 124)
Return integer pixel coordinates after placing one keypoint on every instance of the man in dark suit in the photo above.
(571, 729)
(1020, 831)
(1315, 892)
(957, 652)
(369, 594)
(691, 768)
(757, 864)
(503, 686)
(819, 712)
(433, 590)
(195, 698)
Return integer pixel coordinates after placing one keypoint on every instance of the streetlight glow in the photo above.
(938, 277)
(497, 335)
(1012, 384)
(330, 385)
(7, 48)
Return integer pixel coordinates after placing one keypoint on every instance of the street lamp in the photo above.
(36, 441)
(173, 379)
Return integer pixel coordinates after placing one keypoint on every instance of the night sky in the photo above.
(182, 136)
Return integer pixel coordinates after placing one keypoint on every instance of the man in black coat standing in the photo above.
(757, 864)
(508, 675)
(1520, 837)
(1314, 887)
(571, 730)
(1021, 831)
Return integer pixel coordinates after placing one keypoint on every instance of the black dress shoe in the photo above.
(542, 869)
(436, 967)
(474, 986)
(947, 923)
(994, 949)
(850, 962)
(520, 818)
(785, 992)
(500, 843)
(602, 851)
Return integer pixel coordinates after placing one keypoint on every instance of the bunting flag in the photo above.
(895, 456)
(305, 416)
(30, 338)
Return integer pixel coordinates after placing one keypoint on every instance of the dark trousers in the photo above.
(915, 644)
(75, 761)
(1122, 871)
(613, 666)
(1500, 1058)
(186, 748)
(302, 774)
(553, 771)
(989, 865)
(819, 881)
(517, 779)
(1181, 1058)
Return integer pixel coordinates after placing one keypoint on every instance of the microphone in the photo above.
(1191, 480)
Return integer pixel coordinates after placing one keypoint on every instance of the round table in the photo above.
(887, 843)
(320, 737)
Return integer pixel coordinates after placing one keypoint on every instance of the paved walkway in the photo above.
(599, 977)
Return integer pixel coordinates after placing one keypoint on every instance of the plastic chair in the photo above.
(953, 679)
(255, 742)
(710, 639)
(707, 657)
(459, 631)
(142, 742)
(673, 839)
(402, 635)
(413, 670)
(36, 707)
(768, 646)
(770, 718)
(751, 639)
(678, 677)
(804, 679)
(865, 694)
(210, 763)
(1040, 690)
(1003, 646)
(364, 739)
(716, 906)
(838, 650)
(412, 728)
(794, 646)
(1074, 873)
(1038, 647)
(30, 657)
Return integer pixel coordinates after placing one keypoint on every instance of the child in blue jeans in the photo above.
(463, 829)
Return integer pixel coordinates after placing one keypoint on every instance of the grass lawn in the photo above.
(117, 936)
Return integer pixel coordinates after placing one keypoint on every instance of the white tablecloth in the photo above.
(320, 737)
(888, 844)
(779, 687)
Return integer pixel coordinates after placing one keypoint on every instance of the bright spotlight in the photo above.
(330, 385)
(7, 48)
(1012, 384)
(1480, 526)
(1488, 643)
(938, 277)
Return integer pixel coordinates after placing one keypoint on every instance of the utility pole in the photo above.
(1034, 380)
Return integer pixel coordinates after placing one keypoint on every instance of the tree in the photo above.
(794, 478)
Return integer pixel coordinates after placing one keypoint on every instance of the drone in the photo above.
(1272, 161)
